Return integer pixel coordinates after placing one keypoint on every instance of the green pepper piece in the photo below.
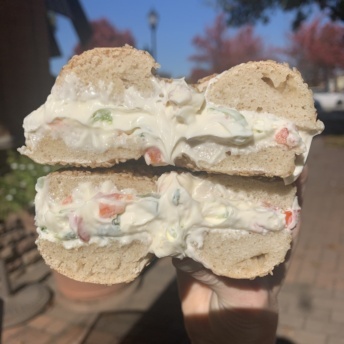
(103, 115)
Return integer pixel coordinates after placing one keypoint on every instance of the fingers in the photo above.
(196, 270)
(194, 295)
(229, 292)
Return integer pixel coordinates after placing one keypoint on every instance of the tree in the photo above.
(241, 12)
(317, 50)
(105, 35)
(218, 52)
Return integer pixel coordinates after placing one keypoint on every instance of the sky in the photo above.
(179, 21)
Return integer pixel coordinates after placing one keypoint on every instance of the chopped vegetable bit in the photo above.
(56, 122)
(103, 115)
(281, 136)
(176, 197)
(110, 210)
(153, 156)
(69, 236)
(116, 221)
(67, 200)
(288, 217)
(83, 234)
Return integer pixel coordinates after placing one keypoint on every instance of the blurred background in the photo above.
(189, 39)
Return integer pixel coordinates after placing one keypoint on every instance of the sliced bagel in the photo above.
(118, 263)
(105, 226)
(108, 106)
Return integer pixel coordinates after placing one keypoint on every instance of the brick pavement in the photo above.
(311, 301)
(67, 321)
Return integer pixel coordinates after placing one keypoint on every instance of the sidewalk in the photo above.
(67, 321)
(311, 302)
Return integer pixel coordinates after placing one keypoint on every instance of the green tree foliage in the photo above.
(17, 183)
(241, 12)
(217, 51)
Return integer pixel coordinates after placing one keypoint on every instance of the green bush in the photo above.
(17, 183)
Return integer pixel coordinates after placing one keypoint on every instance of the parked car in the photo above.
(329, 101)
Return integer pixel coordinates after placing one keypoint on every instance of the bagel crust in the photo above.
(243, 256)
(224, 156)
(255, 119)
(233, 255)
(112, 264)
(108, 259)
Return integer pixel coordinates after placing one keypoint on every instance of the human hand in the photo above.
(223, 310)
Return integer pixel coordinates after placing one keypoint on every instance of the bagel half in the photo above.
(105, 226)
(108, 106)
(224, 154)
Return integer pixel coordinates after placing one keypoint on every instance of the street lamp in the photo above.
(153, 18)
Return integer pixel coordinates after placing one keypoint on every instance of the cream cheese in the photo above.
(182, 210)
(176, 120)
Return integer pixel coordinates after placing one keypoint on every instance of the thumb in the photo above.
(231, 293)
(197, 271)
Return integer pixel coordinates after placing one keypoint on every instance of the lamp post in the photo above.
(153, 22)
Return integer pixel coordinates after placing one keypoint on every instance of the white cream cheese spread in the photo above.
(182, 210)
(174, 121)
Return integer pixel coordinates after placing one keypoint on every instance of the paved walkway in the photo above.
(311, 302)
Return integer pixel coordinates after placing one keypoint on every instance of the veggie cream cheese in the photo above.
(175, 120)
(182, 210)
